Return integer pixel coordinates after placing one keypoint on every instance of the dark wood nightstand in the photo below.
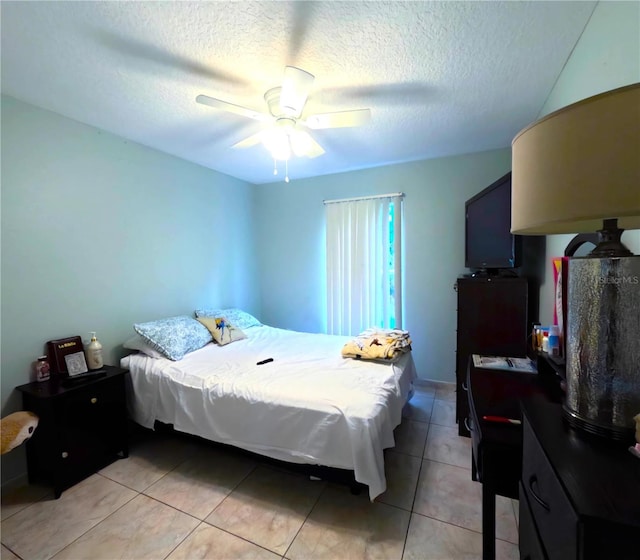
(82, 427)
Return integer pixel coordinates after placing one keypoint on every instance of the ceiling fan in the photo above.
(288, 131)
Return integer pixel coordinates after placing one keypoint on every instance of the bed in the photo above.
(308, 406)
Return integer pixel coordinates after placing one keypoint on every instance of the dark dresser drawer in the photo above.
(531, 547)
(552, 512)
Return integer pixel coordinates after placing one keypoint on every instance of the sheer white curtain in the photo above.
(363, 264)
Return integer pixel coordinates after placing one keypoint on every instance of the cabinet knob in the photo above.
(94, 400)
(65, 454)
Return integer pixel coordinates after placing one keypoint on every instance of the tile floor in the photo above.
(180, 498)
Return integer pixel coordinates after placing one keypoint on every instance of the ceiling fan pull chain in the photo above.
(286, 170)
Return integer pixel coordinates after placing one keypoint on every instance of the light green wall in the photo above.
(606, 57)
(290, 245)
(99, 233)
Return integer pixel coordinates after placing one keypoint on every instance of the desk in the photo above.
(497, 448)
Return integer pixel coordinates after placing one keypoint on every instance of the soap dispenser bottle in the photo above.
(94, 353)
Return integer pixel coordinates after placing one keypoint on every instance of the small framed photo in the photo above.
(76, 363)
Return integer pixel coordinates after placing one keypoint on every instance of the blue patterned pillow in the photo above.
(174, 337)
(236, 317)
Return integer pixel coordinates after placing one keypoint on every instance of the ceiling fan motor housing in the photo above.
(272, 97)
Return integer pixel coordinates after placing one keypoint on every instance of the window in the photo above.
(364, 280)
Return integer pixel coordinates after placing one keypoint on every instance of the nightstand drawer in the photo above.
(94, 402)
(551, 510)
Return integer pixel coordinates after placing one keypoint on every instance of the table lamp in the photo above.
(577, 170)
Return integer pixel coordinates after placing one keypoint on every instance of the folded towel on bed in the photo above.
(378, 344)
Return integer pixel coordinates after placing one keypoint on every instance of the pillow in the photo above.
(136, 342)
(223, 331)
(236, 317)
(174, 337)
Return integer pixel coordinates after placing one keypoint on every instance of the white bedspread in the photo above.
(309, 405)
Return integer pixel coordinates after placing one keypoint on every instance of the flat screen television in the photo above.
(490, 248)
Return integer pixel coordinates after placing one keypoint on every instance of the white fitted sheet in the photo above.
(309, 405)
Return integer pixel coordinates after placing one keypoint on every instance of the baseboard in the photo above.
(16, 482)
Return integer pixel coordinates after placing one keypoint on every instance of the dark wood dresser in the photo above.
(492, 320)
(82, 427)
(579, 494)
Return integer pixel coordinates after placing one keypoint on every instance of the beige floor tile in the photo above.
(444, 413)
(410, 437)
(143, 528)
(435, 540)
(507, 551)
(200, 483)
(211, 543)
(6, 554)
(16, 499)
(418, 408)
(446, 446)
(446, 391)
(447, 493)
(506, 526)
(149, 461)
(44, 528)
(401, 472)
(267, 508)
(347, 527)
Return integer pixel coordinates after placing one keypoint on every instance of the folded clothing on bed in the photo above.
(378, 344)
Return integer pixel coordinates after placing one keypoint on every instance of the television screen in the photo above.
(489, 243)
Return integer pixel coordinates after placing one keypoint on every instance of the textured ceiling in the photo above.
(440, 78)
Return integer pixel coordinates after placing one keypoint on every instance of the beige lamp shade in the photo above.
(578, 166)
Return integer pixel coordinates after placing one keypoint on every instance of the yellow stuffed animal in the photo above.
(16, 428)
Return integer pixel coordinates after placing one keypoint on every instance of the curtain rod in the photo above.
(390, 195)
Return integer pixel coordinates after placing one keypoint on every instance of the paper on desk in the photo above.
(500, 362)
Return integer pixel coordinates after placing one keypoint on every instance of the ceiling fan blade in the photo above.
(250, 141)
(303, 144)
(341, 119)
(296, 86)
(231, 108)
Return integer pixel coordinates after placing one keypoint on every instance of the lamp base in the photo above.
(602, 346)
(588, 425)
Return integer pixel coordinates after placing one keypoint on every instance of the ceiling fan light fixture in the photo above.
(301, 142)
(287, 135)
(277, 142)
